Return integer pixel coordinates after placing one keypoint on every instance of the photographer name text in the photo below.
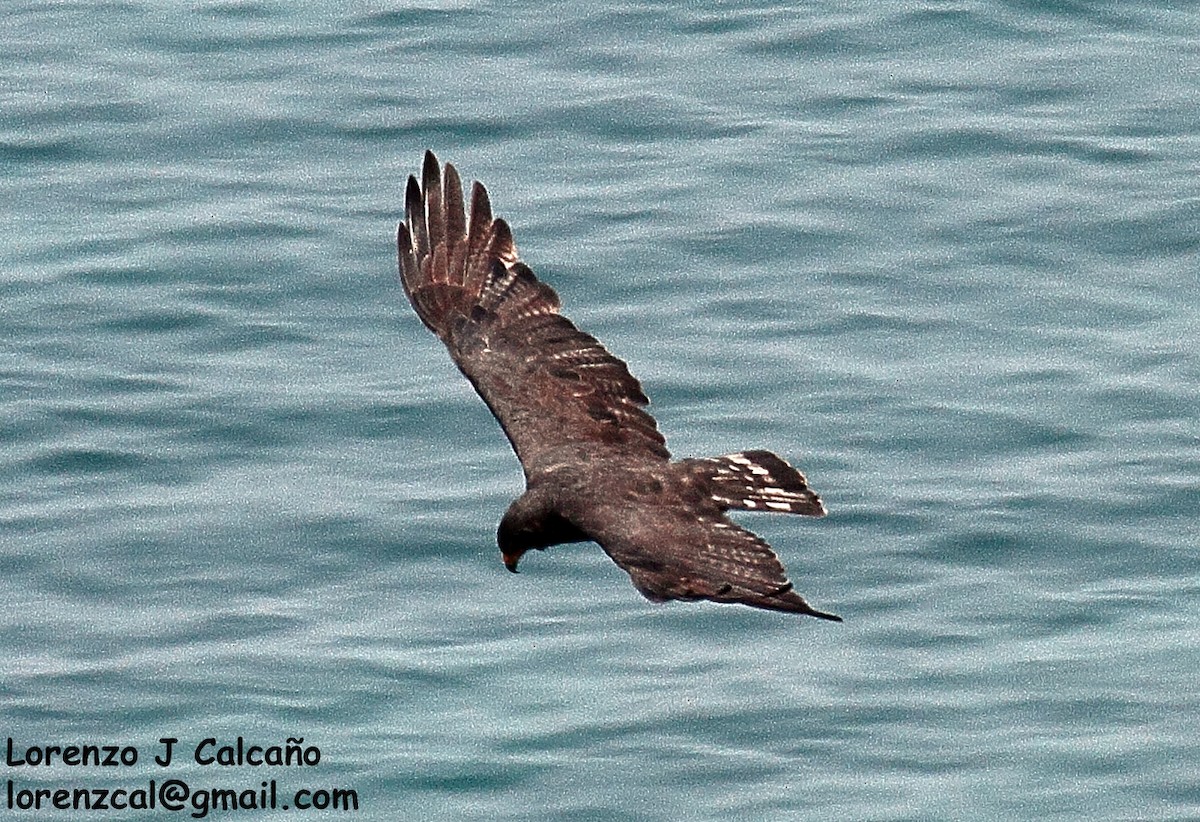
(209, 751)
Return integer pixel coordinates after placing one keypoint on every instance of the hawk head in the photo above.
(532, 522)
(515, 537)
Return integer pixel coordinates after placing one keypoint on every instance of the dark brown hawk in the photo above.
(596, 467)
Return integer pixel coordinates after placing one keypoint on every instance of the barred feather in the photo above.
(547, 382)
(677, 556)
(758, 481)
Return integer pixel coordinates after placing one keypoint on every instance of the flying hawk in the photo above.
(596, 467)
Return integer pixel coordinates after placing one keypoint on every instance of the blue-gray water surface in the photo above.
(941, 255)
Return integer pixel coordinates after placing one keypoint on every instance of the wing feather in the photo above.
(671, 553)
(456, 226)
(549, 384)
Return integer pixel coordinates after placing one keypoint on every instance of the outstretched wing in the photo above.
(670, 552)
(548, 383)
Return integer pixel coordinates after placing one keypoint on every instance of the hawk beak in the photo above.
(511, 560)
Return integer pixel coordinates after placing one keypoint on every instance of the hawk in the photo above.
(596, 467)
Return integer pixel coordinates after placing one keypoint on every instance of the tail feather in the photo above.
(758, 481)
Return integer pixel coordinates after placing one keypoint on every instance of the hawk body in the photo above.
(596, 466)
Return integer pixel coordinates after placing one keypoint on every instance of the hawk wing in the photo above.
(548, 383)
(670, 552)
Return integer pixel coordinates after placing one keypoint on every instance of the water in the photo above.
(941, 255)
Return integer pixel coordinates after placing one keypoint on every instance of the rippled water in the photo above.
(941, 255)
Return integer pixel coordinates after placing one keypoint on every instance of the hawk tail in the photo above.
(757, 481)
(457, 261)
